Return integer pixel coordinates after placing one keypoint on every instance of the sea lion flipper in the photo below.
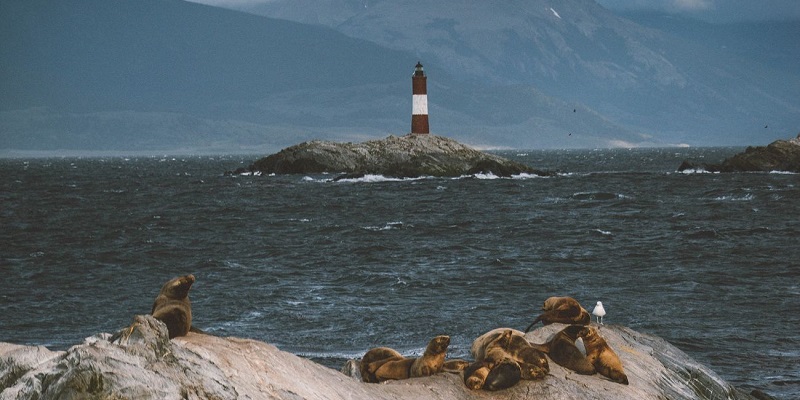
(455, 366)
(541, 347)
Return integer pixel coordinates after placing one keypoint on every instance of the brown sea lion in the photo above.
(172, 305)
(501, 375)
(499, 347)
(489, 352)
(532, 362)
(602, 357)
(565, 310)
(482, 342)
(374, 359)
(382, 363)
(432, 360)
(561, 349)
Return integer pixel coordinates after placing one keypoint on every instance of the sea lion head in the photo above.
(565, 310)
(573, 331)
(588, 334)
(178, 288)
(504, 375)
(438, 345)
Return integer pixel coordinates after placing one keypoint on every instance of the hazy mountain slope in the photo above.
(773, 43)
(679, 90)
(169, 54)
(156, 75)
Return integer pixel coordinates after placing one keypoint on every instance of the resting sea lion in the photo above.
(499, 347)
(561, 349)
(489, 352)
(374, 359)
(565, 310)
(602, 357)
(172, 306)
(501, 375)
(381, 364)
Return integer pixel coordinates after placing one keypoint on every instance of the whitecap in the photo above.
(373, 178)
(747, 197)
(602, 232)
(527, 176)
(388, 226)
(486, 176)
(347, 355)
(691, 171)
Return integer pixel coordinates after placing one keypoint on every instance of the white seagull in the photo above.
(599, 312)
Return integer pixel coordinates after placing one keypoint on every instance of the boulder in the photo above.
(780, 155)
(402, 157)
(141, 362)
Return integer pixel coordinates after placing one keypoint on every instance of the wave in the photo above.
(597, 196)
(696, 171)
(747, 197)
(388, 226)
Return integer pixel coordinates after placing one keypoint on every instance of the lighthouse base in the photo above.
(419, 124)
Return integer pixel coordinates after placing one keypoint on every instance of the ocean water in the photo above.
(327, 270)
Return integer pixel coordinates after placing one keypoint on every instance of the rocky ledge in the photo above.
(402, 157)
(780, 155)
(141, 362)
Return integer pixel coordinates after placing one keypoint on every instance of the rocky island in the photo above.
(141, 362)
(412, 155)
(780, 155)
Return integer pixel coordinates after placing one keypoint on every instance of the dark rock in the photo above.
(400, 157)
(780, 155)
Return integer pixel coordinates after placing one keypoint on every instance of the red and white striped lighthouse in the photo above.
(419, 112)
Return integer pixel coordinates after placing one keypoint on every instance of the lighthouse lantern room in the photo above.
(419, 112)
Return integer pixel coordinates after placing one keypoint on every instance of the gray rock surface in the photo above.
(396, 156)
(780, 155)
(140, 362)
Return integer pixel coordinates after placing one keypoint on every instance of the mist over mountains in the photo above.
(165, 75)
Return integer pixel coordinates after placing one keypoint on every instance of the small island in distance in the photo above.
(780, 155)
(408, 156)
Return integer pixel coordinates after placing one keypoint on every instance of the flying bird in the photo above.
(599, 312)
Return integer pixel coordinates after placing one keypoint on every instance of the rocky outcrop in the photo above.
(402, 157)
(141, 362)
(780, 155)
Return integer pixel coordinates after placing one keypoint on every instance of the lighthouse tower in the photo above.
(419, 112)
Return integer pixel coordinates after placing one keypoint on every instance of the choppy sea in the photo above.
(327, 270)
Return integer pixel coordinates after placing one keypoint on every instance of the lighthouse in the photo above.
(419, 112)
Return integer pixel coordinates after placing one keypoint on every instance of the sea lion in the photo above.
(602, 357)
(374, 359)
(499, 347)
(565, 310)
(489, 352)
(561, 348)
(172, 305)
(432, 360)
(501, 375)
(382, 363)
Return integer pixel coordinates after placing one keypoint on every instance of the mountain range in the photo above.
(169, 75)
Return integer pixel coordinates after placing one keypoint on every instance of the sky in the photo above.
(710, 10)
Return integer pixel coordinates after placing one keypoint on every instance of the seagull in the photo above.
(599, 312)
